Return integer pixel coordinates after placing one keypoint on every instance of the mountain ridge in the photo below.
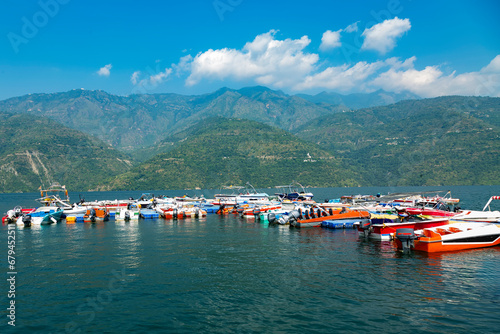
(225, 151)
(39, 151)
(141, 120)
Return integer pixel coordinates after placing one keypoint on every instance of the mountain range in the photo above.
(227, 152)
(359, 100)
(95, 140)
(452, 140)
(36, 151)
(134, 122)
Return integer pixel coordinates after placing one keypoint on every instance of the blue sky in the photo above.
(192, 47)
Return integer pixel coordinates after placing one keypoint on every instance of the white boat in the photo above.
(292, 192)
(41, 216)
(241, 195)
(128, 213)
(486, 216)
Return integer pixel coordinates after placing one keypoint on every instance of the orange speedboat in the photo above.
(451, 237)
(315, 218)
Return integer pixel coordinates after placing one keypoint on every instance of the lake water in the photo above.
(228, 274)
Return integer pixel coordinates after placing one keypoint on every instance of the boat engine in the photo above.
(26, 220)
(93, 215)
(365, 226)
(175, 213)
(240, 211)
(406, 236)
(18, 211)
(256, 212)
(271, 218)
(127, 215)
(290, 218)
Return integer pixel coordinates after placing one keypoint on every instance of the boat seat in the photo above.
(454, 230)
(442, 231)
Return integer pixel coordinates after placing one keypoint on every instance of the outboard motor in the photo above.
(240, 211)
(256, 212)
(365, 227)
(127, 215)
(293, 215)
(290, 218)
(26, 220)
(93, 215)
(271, 217)
(330, 211)
(197, 213)
(10, 216)
(18, 211)
(406, 236)
(175, 213)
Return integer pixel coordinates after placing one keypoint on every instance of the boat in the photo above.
(452, 237)
(313, 218)
(412, 199)
(40, 216)
(387, 231)
(51, 196)
(94, 215)
(127, 213)
(292, 193)
(55, 197)
(13, 215)
(240, 195)
(486, 216)
(439, 209)
(254, 211)
(193, 211)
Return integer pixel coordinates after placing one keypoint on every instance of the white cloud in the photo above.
(284, 64)
(330, 40)
(183, 66)
(268, 61)
(395, 63)
(352, 27)
(382, 37)
(341, 78)
(158, 78)
(430, 82)
(105, 71)
(135, 77)
(152, 81)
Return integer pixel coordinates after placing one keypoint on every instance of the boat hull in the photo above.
(315, 222)
(457, 237)
(387, 231)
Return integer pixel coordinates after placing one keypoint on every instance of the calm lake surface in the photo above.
(228, 274)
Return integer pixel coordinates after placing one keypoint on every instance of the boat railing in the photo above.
(488, 204)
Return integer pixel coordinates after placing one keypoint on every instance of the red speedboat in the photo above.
(387, 231)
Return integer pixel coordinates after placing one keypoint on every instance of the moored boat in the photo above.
(41, 216)
(386, 231)
(127, 213)
(486, 216)
(452, 237)
(314, 218)
(292, 192)
(94, 215)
